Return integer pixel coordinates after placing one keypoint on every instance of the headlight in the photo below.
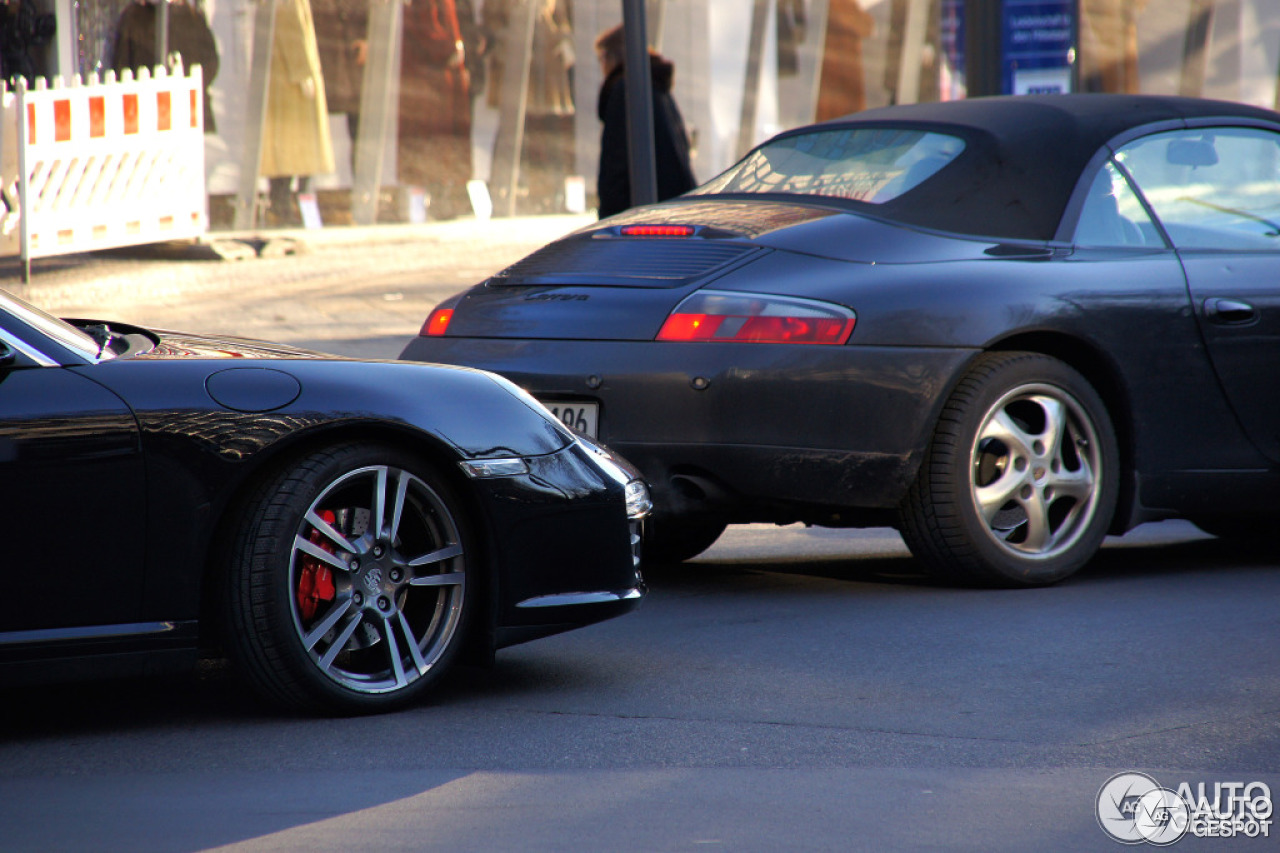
(482, 469)
(639, 504)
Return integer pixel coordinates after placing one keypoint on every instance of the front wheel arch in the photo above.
(348, 587)
(479, 643)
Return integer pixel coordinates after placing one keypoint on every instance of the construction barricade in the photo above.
(102, 163)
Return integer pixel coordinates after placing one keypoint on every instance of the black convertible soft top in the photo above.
(1023, 154)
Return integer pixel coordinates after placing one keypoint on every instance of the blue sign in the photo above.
(1039, 46)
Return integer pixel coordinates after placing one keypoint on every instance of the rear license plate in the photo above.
(583, 417)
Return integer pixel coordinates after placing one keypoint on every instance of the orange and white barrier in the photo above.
(103, 163)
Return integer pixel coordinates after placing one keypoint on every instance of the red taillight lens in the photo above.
(656, 231)
(741, 318)
(438, 322)
(761, 330)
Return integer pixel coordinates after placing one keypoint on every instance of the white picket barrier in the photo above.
(104, 163)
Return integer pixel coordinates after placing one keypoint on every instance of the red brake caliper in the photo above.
(315, 580)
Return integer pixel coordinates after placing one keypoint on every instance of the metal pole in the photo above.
(818, 16)
(264, 26)
(657, 20)
(378, 88)
(504, 177)
(1195, 48)
(914, 30)
(162, 34)
(642, 161)
(751, 86)
(983, 47)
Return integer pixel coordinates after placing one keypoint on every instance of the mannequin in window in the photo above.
(23, 30)
(295, 137)
(1109, 45)
(341, 37)
(434, 138)
(843, 86)
(930, 54)
(189, 38)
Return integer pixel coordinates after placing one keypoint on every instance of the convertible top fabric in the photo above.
(1023, 154)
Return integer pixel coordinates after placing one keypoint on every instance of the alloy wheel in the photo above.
(1035, 467)
(378, 578)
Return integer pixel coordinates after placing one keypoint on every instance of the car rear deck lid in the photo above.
(625, 262)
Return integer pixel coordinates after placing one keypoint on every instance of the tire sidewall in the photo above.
(273, 610)
(1006, 373)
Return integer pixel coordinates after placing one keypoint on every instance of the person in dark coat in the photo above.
(671, 142)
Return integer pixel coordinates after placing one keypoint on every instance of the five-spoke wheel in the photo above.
(1020, 481)
(349, 587)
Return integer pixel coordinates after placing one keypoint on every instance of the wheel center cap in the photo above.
(373, 580)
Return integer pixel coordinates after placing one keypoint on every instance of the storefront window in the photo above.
(1227, 49)
(386, 110)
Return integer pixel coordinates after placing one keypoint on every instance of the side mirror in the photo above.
(7, 355)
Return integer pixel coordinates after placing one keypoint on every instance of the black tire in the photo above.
(349, 586)
(998, 501)
(674, 540)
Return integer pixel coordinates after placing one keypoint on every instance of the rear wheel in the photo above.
(349, 584)
(1019, 483)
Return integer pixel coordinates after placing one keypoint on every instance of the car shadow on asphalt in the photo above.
(214, 694)
(903, 570)
(1182, 551)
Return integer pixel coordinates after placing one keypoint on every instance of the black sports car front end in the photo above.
(344, 530)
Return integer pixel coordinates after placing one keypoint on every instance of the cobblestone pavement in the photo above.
(354, 291)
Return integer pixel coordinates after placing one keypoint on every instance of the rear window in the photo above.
(872, 165)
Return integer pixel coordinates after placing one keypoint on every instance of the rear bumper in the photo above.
(744, 429)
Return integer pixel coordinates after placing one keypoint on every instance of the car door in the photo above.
(1216, 192)
(71, 499)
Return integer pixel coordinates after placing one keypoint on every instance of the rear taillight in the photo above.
(437, 323)
(725, 317)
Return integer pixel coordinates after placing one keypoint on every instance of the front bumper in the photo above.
(566, 552)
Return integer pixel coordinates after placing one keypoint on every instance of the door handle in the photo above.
(1230, 312)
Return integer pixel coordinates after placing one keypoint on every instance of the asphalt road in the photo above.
(790, 690)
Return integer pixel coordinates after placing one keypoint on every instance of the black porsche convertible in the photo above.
(343, 530)
(1005, 326)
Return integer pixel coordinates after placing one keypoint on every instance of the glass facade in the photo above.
(407, 110)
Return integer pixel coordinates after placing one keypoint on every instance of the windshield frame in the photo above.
(66, 336)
